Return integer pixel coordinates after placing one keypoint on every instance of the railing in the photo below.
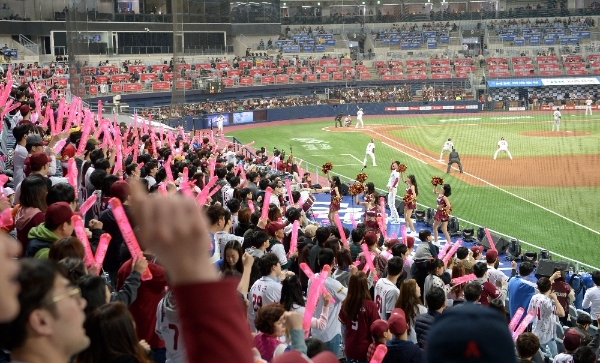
(29, 45)
(312, 168)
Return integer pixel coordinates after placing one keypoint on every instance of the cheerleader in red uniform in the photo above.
(442, 214)
(410, 200)
(336, 198)
(370, 203)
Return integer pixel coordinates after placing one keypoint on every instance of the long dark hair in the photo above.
(408, 300)
(433, 265)
(336, 180)
(239, 265)
(33, 192)
(112, 334)
(447, 190)
(413, 181)
(93, 290)
(358, 292)
(291, 293)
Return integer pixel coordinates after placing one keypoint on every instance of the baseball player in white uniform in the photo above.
(392, 186)
(359, 120)
(502, 146)
(588, 105)
(448, 146)
(557, 117)
(220, 121)
(264, 291)
(371, 153)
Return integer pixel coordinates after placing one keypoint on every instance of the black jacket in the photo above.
(423, 323)
(403, 351)
(112, 261)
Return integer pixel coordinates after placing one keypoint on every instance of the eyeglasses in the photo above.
(75, 291)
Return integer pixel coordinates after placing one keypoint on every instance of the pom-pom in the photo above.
(402, 168)
(356, 188)
(326, 167)
(409, 198)
(436, 180)
(361, 177)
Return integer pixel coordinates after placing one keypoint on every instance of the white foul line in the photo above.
(355, 158)
(495, 186)
(395, 148)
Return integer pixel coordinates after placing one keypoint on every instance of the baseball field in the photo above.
(548, 195)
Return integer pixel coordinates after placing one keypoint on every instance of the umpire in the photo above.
(454, 158)
(338, 118)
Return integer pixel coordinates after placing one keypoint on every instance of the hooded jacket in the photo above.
(40, 241)
(25, 219)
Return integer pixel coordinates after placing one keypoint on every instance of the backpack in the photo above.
(575, 280)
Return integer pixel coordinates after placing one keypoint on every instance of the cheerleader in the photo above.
(410, 200)
(336, 198)
(442, 214)
(370, 203)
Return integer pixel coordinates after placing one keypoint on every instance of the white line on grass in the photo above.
(492, 185)
(395, 148)
(355, 158)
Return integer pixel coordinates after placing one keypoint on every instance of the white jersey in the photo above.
(220, 120)
(557, 115)
(544, 320)
(370, 148)
(496, 276)
(502, 144)
(334, 327)
(448, 145)
(265, 290)
(394, 178)
(168, 328)
(359, 114)
(563, 358)
(588, 102)
(386, 294)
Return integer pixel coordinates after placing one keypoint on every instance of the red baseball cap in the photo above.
(294, 356)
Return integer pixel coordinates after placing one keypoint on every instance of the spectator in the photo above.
(322, 235)
(20, 133)
(50, 323)
(69, 247)
(276, 234)
(113, 337)
(9, 268)
(591, 300)
(581, 326)
(232, 258)
(521, 290)
(358, 312)
(473, 291)
(400, 349)
(436, 302)
(380, 331)
(457, 334)
(292, 300)
(357, 236)
(489, 291)
(33, 207)
(57, 225)
(424, 252)
(584, 355)
(571, 341)
(464, 257)
(168, 327)
(528, 345)
(223, 236)
(565, 295)
(270, 323)
(386, 292)
(379, 262)
(496, 277)
(435, 270)
(546, 308)
(331, 334)
(409, 301)
(267, 289)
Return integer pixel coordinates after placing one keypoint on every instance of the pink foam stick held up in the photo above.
(463, 279)
(307, 271)
(444, 249)
(102, 248)
(381, 223)
(521, 328)
(403, 233)
(311, 303)
(72, 174)
(251, 205)
(489, 238)
(203, 195)
(516, 319)
(340, 228)
(214, 190)
(452, 251)
(127, 232)
(266, 201)
(85, 206)
(294, 239)
(354, 224)
(369, 265)
(59, 146)
(379, 354)
(80, 233)
(288, 187)
(168, 168)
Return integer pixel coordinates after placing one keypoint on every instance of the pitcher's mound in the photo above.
(555, 133)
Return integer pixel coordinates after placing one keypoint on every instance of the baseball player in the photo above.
(502, 146)
(392, 186)
(448, 146)
(220, 121)
(588, 105)
(371, 153)
(347, 120)
(557, 117)
(359, 120)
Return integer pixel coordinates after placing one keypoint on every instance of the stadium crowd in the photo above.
(217, 275)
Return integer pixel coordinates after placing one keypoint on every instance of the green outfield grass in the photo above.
(481, 205)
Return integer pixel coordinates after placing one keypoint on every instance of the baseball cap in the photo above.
(477, 249)
(456, 336)
(59, 213)
(370, 238)
(275, 226)
(9, 191)
(491, 255)
(35, 139)
(38, 160)
(294, 356)
(24, 109)
(120, 190)
(571, 340)
(392, 242)
(410, 241)
(378, 327)
(397, 321)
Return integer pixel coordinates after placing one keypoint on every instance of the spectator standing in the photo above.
(591, 299)
(400, 348)
(386, 292)
(267, 289)
(546, 308)
(436, 302)
(521, 290)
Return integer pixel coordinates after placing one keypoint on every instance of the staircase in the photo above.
(28, 44)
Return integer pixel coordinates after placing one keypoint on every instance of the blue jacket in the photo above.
(520, 292)
(403, 351)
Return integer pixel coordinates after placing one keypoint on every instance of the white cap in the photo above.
(9, 191)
